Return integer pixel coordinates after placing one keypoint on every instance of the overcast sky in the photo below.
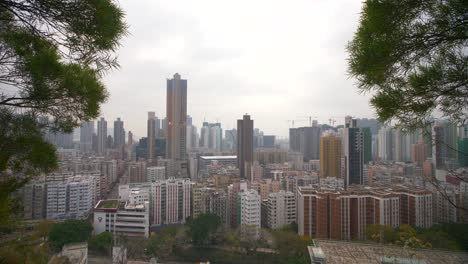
(276, 60)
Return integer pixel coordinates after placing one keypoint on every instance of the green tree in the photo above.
(161, 246)
(203, 227)
(411, 56)
(101, 243)
(69, 231)
(381, 233)
(291, 247)
(53, 55)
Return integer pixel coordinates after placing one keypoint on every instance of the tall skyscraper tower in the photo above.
(119, 134)
(176, 118)
(102, 136)
(330, 156)
(244, 143)
(151, 134)
(86, 136)
(353, 153)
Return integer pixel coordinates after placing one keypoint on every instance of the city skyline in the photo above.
(228, 74)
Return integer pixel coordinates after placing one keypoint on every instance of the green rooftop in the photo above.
(108, 204)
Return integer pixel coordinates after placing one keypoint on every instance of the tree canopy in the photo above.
(411, 56)
(202, 227)
(53, 55)
(69, 231)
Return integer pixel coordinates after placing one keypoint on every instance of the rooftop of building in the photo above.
(338, 252)
(107, 204)
(218, 157)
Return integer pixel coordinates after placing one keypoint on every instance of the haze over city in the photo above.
(287, 63)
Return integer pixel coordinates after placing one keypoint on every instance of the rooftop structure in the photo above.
(338, 252)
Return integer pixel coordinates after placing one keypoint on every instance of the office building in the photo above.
(121, 218)
(330, 156)
(86, 136)
(244, 143)
(151, 135)
(176, 118)
(281, 209)
(119, 134)
(102, 136)
(353, 163)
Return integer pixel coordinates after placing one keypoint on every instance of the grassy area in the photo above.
(223, 256)
(109, 204)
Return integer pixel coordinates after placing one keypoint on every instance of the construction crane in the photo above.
(294, 120)
(332, 119)
(310, 118)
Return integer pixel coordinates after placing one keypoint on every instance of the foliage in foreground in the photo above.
(410, 55)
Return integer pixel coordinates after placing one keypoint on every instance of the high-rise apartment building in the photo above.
(244, 143)
(306, 140)
(102, 136)
(119, 134)
(34, 200)
(86, 136)
(151, 135)
(171, 201)
(439, 147)
(281, 209)
(155, 174)
(330, 156)
(330, 214)
(353, 153)
(386, 144)
(137, 171)
(418, 153)
(176, 118)
(463, 152)
(250, 212)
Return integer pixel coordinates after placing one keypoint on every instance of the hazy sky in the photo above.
(276, 60)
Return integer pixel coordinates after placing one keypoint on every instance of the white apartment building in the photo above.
(171, 201)
(71, 199)
(281, 209)
(250, 207)
(155, 174)
(56, 200)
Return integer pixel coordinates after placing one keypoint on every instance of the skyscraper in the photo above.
(418, 153)
(244, 143)
(86, 136)
(176, 118)
(151, 134)
(306, 140)
(102, 136)
(353, 153)
(119, 134)
(330, 156)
